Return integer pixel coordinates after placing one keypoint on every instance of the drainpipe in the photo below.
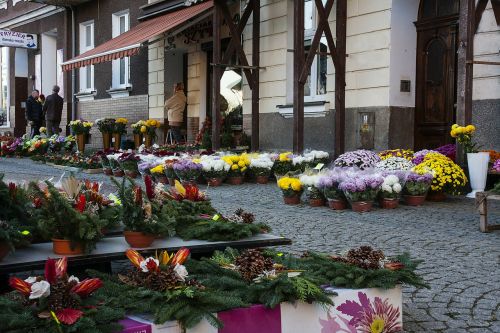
(73, 71)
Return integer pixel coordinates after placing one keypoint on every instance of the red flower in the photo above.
(61, 266)
(180, 257)
(149, 187)
(20, 285)
(138, 195)
(81, 201)
(68, 316)
(134, 257)
(87, 287)
(50, 271)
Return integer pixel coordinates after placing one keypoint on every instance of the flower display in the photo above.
(261, 165)
(80, 126)
(120, 125)
(239, 164)
(391, 187)
(187, 170)
(129, 161)
(362, 159)
(138, 126)
(496, 166)
(449, 150)
(418, 183)
(407, 154)
(214, 167)
(360, 187)
(283, 163)
(311, 183)
(494, 155)
(464, 134)
(419, 156)
(329, 184)
(105, 125)
(290, 186)
(394, 164)
(448, 176)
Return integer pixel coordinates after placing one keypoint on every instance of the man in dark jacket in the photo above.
(34, 113)
(53, 111)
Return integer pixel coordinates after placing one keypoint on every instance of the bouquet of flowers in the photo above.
(38, 146)
(158, 172)
(149, 128)
(187, 170)
(407, 154)
(113, 161)
(105, 125)
(394, 164)
(290, 186)
(283, 164)
(362, 159)
(12, 147)
(128, 163)
(80, 126)
(359, 187)
(57, 302)
(238, 163)
(311, 183)
(329, 184)
(391, 187)
(214, 167)
(448, 176)
(464, 137)
(418, 183)
(261, 166)
(169, 167)
(120, 126)
(139, 127)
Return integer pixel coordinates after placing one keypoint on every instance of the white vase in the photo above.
(478, 171)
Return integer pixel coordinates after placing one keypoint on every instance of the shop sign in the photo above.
(18, 39)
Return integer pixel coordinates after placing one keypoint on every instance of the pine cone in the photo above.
(194, 283)
(162, 280)
(251, 263)
(60, 295)
(365, 257)
(246, 217)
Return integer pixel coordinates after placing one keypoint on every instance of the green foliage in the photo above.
(496, 188)
(56, 218)
(226, 140)
(190, 227)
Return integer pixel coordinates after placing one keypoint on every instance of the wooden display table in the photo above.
(113, 248)
(482, 205)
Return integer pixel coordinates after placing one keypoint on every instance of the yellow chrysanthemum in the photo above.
(144, 129)
(159, 169)
(234, 167)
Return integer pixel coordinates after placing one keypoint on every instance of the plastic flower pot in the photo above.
(118, 173)
(63, 247)
(361, 206)
(138, 239)
(292, 200)
(118, 140)
(414, 200)
(337, 204)
(4, 250)
(316, 202)
(106, 140)
(262, 179)
(214, 182)
(389, 203)
(235, 180)
(137, 140)
(436, 196)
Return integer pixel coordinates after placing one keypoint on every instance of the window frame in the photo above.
(84, 72)
(116, 64)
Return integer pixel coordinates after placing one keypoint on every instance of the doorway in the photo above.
(21, 87)
(435, 104)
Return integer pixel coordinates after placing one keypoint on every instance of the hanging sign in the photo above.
(18, 39)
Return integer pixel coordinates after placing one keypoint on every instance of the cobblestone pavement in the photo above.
(461, 264)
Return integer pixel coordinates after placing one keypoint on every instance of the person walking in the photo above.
(34, 113)
(53, 111)
(174, 107)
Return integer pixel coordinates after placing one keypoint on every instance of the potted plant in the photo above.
(149, 131)
(81, 129)
(115, 165)
(329, 184)
(416, 187)
(362, 159)
(138, 132)
(394, 164)
(105, 163)
(187, 171)
(390, 192)
(65, 217)
(158, 172)
(361, 190)
(142, 225)
(105, 126)
(313, 193)
(128, 163)
(261, 168)
(119, 128)
(476, 161)
(239, 165)
(214, 170)
(282, 164)
(169, 170)
(291, 189)
(449, 178)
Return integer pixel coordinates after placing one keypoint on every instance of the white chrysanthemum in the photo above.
(397, 188)
(386, 188)
(391, 180)
(309, 180)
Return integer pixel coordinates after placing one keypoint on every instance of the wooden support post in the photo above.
(256, 76)
(216, 76)
(340, 70)
(298, 87)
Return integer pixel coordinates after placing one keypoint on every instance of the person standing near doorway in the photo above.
(53, 111)
(174, 107)
(34, 113)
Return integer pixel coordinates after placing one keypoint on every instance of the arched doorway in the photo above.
(435, 95)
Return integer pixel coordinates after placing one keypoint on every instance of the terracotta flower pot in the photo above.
(316, 202)
(387, 203)
(293, 200)
(80, 141)
(131, 173)
(137, 140)
(361, 206)
(106, 140)
(214, 182)
(238, 180)
(4, 250)
(434, 196)
(138, 239)
(414, 200)
(262, 179)
(148, 140)
(118, 173)
(337, 204)
(118, 141)
(107, 171)
(63, 247)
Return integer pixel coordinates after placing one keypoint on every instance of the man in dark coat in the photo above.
(34, 113)
(53, 111)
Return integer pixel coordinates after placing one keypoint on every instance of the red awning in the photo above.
(129, 43)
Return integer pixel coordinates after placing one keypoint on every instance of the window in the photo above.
(86, 43)
(4, 86)
(121, 72)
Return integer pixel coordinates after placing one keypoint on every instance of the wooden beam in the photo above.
(340, 70)
(298, 87)
(464, 61)
(256, 74)
(481, 6)
(495, 4)
(216, 76)
(241, 25)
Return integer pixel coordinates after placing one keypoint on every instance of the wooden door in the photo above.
(436, 78)
(21, 86)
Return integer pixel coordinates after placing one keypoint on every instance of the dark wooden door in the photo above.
(436, 79)
(21, 86)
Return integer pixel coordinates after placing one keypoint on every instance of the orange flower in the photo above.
(134, 257)
(61, 266)
(20, 285)
(180, 257)
(87, 287)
